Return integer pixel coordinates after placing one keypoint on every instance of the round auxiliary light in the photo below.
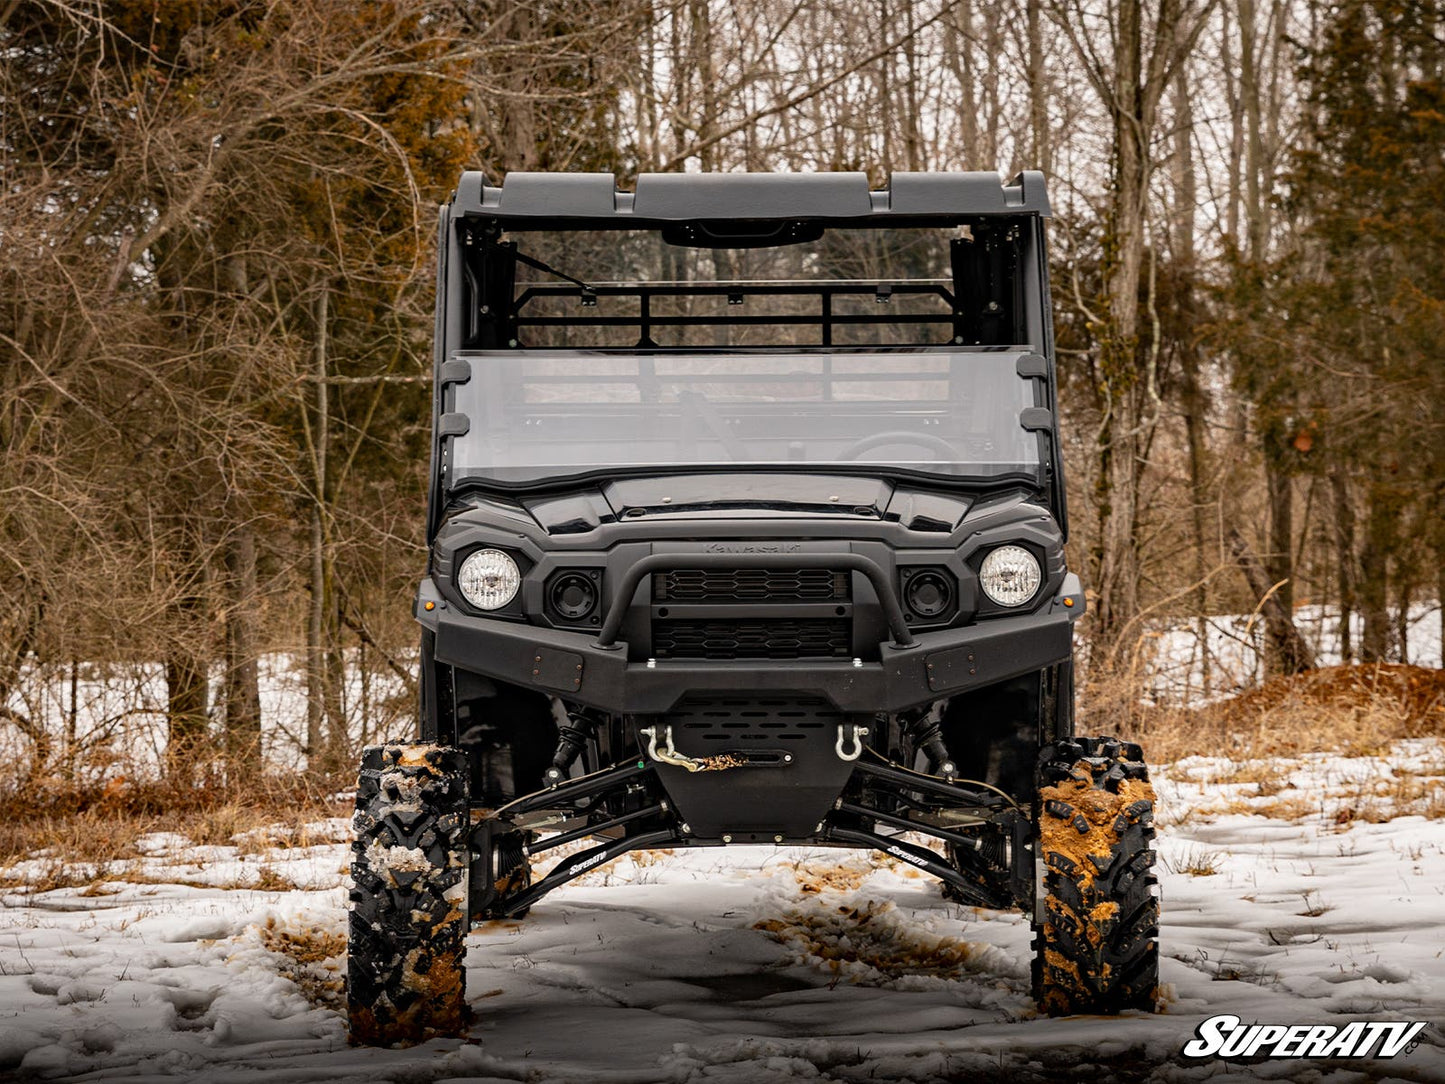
(573, 595)
(1010, 575)
(929, 593)
(489, 579)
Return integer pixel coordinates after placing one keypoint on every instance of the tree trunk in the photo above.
(1275, 407)
(1038, 90)
(521, 148)
(1256, 204)
(1440, 598)
(315, 625)
(186, 704)
(1404, 592)
(242, 690)
(72, 719)
(187, 694)
(1116, 491)
(646, 97)
(1344, 538)
(1279, 556)
(704, 54)
(1117, 554)
(1236, 132)
(1193, 400)
(1374, 576)
(885, 88)
(338, 740)
(959, 52)
(1294, 650)
(992, 51)
(912, 131)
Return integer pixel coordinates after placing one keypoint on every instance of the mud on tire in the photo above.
(405, 977)
(1096, 922)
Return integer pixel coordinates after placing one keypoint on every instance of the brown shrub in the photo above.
(85, 831)
(310, 957)
(1357, 710)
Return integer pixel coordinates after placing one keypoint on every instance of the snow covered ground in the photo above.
(1293, 893)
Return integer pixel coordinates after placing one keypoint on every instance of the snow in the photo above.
(759, 964)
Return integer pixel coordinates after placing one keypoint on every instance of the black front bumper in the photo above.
(572, 665)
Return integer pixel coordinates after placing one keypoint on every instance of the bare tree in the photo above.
(1130, 51)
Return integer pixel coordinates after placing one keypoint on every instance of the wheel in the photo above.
(1096, 925)
(405, 980)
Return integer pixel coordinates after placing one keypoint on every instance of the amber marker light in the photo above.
(1067, 602)
(433, 605)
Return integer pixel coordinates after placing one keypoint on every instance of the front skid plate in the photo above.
(786, 788)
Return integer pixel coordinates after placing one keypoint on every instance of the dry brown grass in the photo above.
(311, 958)
(82, 833)
(1197, 862)
(839, 937)
(1353, 710)
(815, 877)
(1407, 794)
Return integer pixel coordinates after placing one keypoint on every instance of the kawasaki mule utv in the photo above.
(746, 526)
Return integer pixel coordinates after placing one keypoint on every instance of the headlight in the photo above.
(1009, 575)
(489, 579)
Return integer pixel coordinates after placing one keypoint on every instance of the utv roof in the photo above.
(674, 197)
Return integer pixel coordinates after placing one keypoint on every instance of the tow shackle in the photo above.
(850, 733)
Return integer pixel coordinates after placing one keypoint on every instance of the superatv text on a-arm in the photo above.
(746, 526)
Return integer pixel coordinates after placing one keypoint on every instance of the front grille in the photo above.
(735, 718)
(756, 638)
(751, 585)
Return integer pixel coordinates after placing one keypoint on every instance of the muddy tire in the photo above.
(1096, 925)
(405, 976)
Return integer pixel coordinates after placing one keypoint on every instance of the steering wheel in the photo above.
(942, 448)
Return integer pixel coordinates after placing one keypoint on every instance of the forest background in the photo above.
(216, 274)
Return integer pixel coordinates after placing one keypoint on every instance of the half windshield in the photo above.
(542, 415)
